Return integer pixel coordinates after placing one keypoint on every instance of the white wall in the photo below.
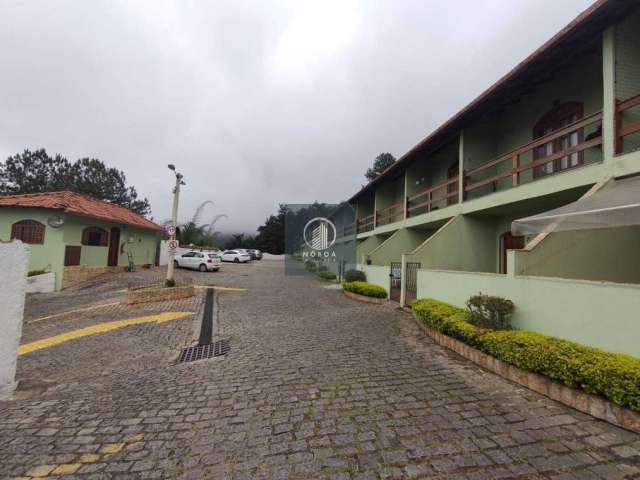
(14, 263)
(377, 275)
(43, 283)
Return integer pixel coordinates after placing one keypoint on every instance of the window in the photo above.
(29, 231)
(189, 255)
(559, 117)
(94, 236)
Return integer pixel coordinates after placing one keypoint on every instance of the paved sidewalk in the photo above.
(315, 386)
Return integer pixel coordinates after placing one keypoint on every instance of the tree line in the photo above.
(38, 172)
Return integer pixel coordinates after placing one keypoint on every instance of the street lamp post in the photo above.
(174, 220)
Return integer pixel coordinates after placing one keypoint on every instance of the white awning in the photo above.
(617, 204)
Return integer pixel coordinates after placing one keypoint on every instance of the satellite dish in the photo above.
(55, 221)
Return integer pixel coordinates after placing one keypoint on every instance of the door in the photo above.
(72, 255)
(411, 284)
(114, 247)
(558, 118)
(508, 242)
(394, 281)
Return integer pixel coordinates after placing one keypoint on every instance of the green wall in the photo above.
(513, 128)
(627, 81)
(141, 243)
(602, 315)
(611, 254)
(427, 172)
(50, 255)
(402, 241)
(364, 247)
(466, 243)
(390, 192)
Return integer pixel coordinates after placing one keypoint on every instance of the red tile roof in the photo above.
(77, 204)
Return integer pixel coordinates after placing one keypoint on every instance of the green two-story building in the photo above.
(561, 126)
(77, 237)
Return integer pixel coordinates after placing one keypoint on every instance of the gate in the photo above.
(411, 285)
(394, 281)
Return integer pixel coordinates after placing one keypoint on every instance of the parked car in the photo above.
(203, 261)
(255, 254)
(236, 256)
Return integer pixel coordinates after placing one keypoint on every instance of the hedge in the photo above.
(364, 288)
(355, 276)
(327, 275)
(615, 376)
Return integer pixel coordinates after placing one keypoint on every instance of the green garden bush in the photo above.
(327, 274)
(490, 312)
(615, 376)
(310, 265)
(355, 276)
(364, 288)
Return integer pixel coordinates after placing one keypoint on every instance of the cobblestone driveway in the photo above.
(315, 386)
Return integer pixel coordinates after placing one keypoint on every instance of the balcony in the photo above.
(390, 214)
(434, 197)
(627, 123)
(558, 151)
(366, 224)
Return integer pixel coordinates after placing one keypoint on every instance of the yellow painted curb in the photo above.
(222, 289)
(67, 312)
(99, 328)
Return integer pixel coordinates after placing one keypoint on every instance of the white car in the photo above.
(203, 261)
(236, 256)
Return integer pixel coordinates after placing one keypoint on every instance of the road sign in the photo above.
(171, 230)
(173, 244)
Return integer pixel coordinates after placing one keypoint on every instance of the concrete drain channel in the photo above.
(205, 348)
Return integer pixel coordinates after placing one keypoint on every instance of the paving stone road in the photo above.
(315, 386)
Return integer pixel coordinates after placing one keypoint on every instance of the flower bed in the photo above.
(614, 376)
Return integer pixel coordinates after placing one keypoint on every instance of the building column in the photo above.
(461, 167)
(403, 278)
(609, 94)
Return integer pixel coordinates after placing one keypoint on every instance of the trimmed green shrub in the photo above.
(310, 265)
(490, 312)
(327, 275)
(615, 376)
(322, 268)
(355, 276)
(364, 288)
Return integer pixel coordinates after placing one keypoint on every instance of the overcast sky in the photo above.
(256, 102)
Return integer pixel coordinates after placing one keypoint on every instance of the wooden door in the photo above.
(508, 242)
(72, 255)
(114, 247)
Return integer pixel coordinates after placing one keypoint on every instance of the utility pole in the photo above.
(174, 220)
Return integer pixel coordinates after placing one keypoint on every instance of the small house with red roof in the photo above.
(77, 237)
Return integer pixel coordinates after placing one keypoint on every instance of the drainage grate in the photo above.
(200, 352)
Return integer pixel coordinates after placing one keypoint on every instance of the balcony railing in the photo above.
(624, 130)
(427, 200)
(349, 229)
(390, 214)
(365, 224)
(513, 157)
